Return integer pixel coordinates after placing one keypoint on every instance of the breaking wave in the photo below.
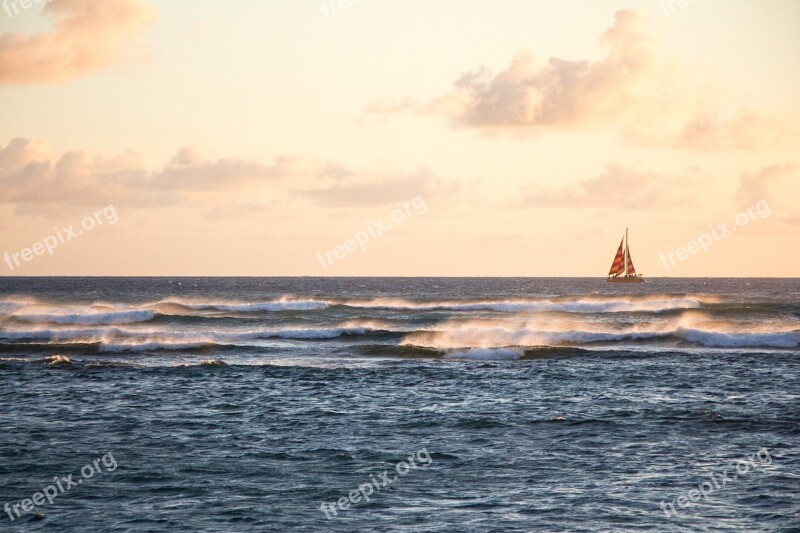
(478, 329)
(654, 303)
(721, 339)
(57, 360)
(469, 335)
(282, 304)
(87, 317)
(231, 335)
(486, 354)
(30, 310)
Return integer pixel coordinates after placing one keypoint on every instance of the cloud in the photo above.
(36, 179)
(359, 191)
(32, 175)
(708, 129)
(380, 110)
(744, 129)
(654, 99)
(335, 171)
(754, 186)
(87, 36)
(189, 170)
(618, 187)
(560, 92)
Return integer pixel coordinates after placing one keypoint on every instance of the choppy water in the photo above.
(242, 404)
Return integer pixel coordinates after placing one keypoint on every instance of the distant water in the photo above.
(242, 404)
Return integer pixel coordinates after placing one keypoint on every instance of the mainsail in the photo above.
(618, 266)
(631, 270)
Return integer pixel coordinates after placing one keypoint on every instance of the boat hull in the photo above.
(626, 279)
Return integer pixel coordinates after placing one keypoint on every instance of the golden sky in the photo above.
(388, 137)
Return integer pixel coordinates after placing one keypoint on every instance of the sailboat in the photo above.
(622, 270)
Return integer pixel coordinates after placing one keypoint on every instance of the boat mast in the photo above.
(626, 251)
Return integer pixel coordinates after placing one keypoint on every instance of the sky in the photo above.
(399, 138)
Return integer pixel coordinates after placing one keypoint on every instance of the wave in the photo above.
(50, 347)
(59, 334)
(282, 304)
(406, 351)
(86, 317)
(191, 342)
(302, 334)
(500, 328)
(106, 334)
(653, 303)
(172, 309)
(34, 311)
(126, 340)
(57, 360)
(720, 339)
(454, 336)
(486, 354)
(161, 345)
(449, 338)
(213, 363)
(412, 351)
(10, 304)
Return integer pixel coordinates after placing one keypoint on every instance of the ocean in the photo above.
(399, 404)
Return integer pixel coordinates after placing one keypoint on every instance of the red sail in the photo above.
(618, 266)
(631, 270)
